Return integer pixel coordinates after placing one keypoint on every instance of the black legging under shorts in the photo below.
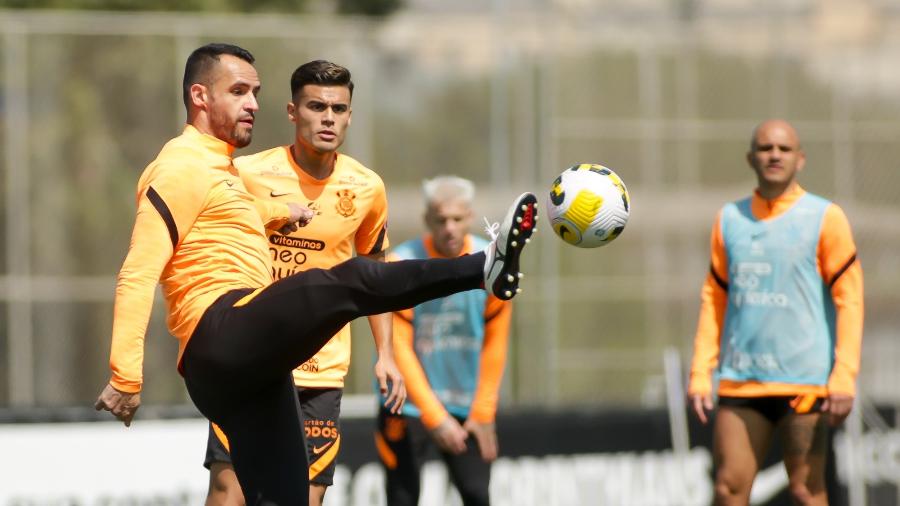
(237, 365)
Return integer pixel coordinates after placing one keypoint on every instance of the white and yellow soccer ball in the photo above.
(588, 205)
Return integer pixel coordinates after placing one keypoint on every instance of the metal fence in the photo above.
(508, 99)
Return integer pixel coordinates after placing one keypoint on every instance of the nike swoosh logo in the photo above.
(274, 194)
(229, 182)
(319, 449)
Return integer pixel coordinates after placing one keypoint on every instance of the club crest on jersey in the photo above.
(345, 206)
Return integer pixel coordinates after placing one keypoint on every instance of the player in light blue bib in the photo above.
(780, 325)
(451, 352)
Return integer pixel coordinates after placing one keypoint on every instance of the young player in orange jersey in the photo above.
(452, 352)
(781, 320)
(200, 234)
(350, 208)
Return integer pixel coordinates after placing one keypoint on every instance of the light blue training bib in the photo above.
(448, 336)
(780, 321)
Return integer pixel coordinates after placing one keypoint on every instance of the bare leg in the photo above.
(741, 437)
(316, 494)
(224, 489)
(805, 440)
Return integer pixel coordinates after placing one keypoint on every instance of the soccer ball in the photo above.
(588, 205)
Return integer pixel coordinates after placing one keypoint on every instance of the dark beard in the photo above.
(239, 139)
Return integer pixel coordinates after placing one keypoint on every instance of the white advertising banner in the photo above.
(158, 463)
(103, 463)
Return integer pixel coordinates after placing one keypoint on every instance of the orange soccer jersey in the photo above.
(351, 213)
(839, 268)
(199, 233)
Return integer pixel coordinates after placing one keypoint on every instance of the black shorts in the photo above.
(404, 444)
(774, 408)
(321, 408)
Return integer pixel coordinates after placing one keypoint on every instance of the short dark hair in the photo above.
(201, 62)
(320, 72)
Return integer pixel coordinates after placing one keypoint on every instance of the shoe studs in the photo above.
(512, 234)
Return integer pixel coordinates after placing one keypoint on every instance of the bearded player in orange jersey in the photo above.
(350, 208)
(201, 235)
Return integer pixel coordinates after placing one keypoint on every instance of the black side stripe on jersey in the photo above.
(379, 243)
(842, 270)
(163, 211)
(721, 282)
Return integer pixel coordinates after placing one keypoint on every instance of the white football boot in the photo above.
(501, 267)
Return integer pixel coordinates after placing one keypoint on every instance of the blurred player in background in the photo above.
(201, 235)
(781, 318)
(350, 208)
(452, 352)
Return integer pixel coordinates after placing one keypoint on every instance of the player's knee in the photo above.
(723, 491)
(224, 490)
(729, 485)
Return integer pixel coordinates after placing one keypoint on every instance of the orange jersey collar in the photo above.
(305, 177)
(208, 142)
(763, 208)
(428, 242)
